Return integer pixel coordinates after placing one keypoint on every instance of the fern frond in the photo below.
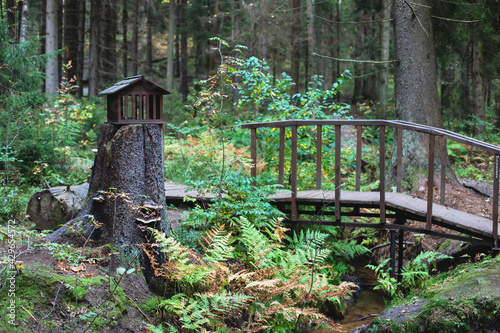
(217, 246)
(263, 284)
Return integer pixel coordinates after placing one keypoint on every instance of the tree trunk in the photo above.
(11, 18)
(24, 22)
(235, 37)
(311, 39)
(81, 48)
(109, 30)
(126, 190)
(49, 209)
(94, 48)
(134, 52)
(125, 38)
(295, 69)
(184, 50)
(149, 40)
(447, 84)
(215, 27)
(51, 70)
(71, 36)
(171, 44)
(464, 77)
(383, 75)
(478, 86)
(415, 85)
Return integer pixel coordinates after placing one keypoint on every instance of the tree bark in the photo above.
(51, 70)
(171, 44)
(415, 85)
(127, 178)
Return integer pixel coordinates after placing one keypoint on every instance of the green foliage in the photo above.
(236, 196)
(64, 252)
(413, 274)
(246, 272)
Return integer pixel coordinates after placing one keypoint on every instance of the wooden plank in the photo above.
(453, 219)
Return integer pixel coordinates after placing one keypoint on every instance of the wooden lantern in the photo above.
(135, 100)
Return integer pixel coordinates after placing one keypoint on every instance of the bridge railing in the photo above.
(399, 126)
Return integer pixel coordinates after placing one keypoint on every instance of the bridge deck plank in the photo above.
(445, 216)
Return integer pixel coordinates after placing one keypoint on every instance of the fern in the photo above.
(218, 248)
(203, 311)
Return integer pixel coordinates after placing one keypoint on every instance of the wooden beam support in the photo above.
(444, 153)
(253, 153)
(495, 199)
(338, 147)
(430, 182)
(399, 159)
(319, 149)
(293, 176)
(359, 146)
(281, 172)
(382, 174)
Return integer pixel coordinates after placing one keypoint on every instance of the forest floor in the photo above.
(53, 296)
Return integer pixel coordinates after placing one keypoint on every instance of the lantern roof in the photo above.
(132, 81)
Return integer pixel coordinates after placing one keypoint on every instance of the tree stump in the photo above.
(126, 190)
(50, 208)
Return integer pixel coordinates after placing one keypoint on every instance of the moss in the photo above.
(150, 305)
(39, 287)
(467, 300)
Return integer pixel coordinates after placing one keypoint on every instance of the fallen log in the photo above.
(51, 208)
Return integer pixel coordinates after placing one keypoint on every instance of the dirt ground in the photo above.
(53, 296)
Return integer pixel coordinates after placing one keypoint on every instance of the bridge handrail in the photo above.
(359, 123)
(379, 122)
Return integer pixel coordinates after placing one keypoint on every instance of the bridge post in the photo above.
(400, 254)
(253, 153)
(293, 175)
(430, 182)
(319, 143)
(399, 159)
(382, 174)
(393, 252)
(338, 147)
(359, 143)
(495, 200)
(281, 166)
(443, 170)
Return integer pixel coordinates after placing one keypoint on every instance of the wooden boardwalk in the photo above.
(399, 208)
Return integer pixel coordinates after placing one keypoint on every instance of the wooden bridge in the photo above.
(393, 209)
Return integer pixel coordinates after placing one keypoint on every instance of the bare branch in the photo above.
(416, 16)
(358, 61)
(454, 20)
